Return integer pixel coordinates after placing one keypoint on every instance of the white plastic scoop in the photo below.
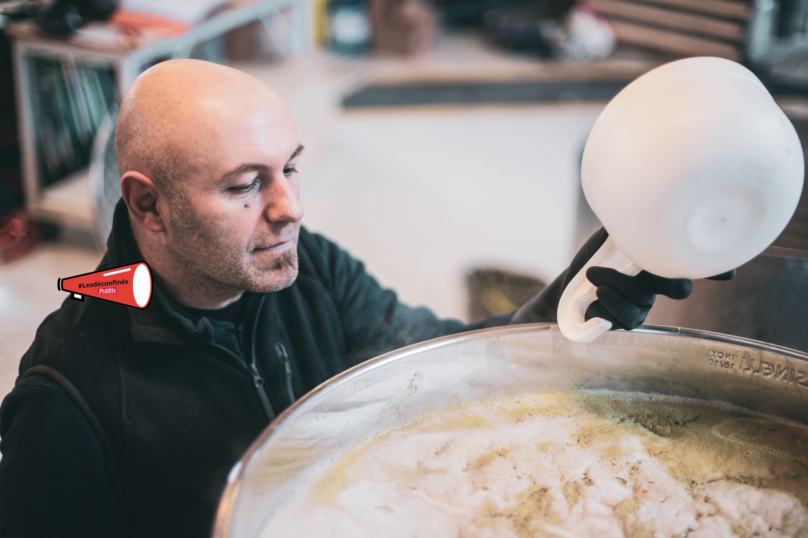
(693, 170)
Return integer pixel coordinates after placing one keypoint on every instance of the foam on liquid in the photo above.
(603, 465)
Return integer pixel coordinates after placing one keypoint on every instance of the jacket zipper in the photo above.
(258, 381)
(259, 385)
(288, 369)
(252, 368)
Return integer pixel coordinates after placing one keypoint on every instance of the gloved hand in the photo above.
(624, 300)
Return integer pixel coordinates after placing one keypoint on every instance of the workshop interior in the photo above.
(466, 151)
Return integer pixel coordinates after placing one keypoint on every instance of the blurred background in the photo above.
(443, 137)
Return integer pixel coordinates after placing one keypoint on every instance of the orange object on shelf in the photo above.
(138, 23)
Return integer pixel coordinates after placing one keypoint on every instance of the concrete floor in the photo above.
(421, 195)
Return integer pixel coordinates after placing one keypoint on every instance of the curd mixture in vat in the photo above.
(600, 465)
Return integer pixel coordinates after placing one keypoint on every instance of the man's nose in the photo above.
(283, 204)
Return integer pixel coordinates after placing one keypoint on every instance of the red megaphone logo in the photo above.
(128, 284)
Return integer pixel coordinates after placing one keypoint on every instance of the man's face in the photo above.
(236, 219)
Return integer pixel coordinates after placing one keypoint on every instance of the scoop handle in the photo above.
(580, 293)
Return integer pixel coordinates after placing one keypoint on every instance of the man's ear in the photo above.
(141, 196)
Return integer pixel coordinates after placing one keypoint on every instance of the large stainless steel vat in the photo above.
(401, 386)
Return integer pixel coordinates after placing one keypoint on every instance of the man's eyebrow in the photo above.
(243, 169)
(297, 152)
(254, 167)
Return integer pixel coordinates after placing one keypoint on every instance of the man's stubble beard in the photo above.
(207, 257)
(286, 263)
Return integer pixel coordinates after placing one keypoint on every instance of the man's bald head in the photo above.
(173, 112)
(208, 157)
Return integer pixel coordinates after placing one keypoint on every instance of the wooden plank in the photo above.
(730, 9)
(500, 71)
(667, 18)
(672, 42)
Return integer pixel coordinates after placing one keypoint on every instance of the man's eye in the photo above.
(289, 170)
(245, 188)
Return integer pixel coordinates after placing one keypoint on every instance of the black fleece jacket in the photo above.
(125, 422)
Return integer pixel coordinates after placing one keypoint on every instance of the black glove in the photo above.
(624, 300)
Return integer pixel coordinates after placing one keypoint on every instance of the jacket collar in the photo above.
(159, 322)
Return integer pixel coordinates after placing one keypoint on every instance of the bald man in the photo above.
(125, 422)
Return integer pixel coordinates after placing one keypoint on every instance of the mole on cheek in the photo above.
(247, 206)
